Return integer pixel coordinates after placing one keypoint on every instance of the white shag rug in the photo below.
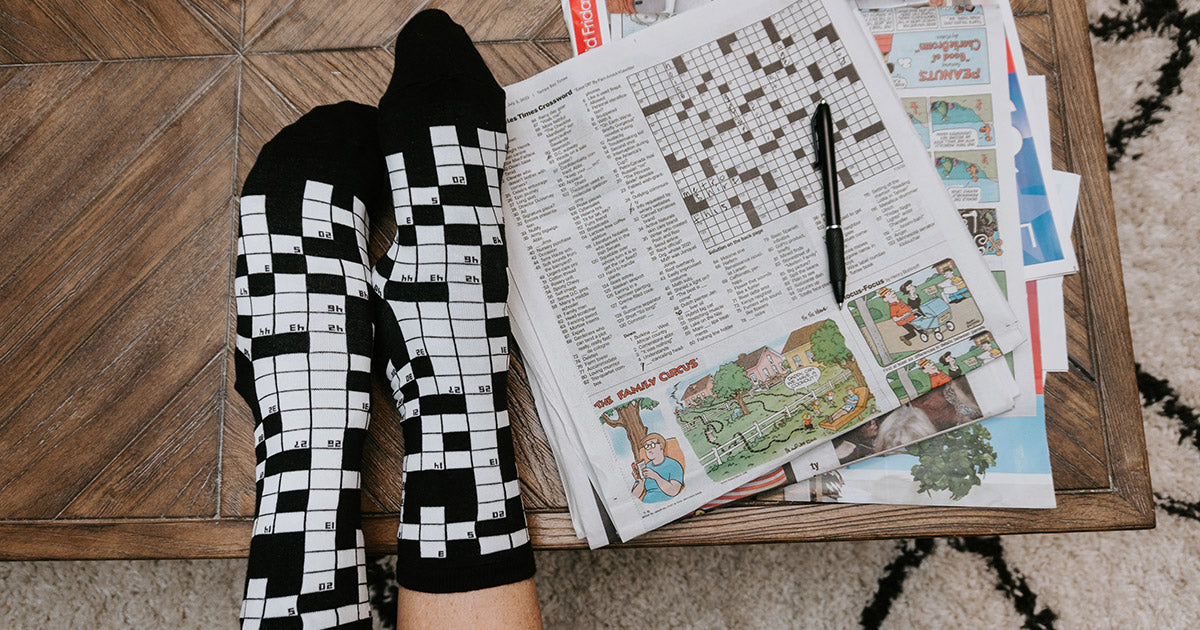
(1150, 94)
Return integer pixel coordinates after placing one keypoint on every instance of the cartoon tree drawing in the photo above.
(731, 381)
(629, 417)
(829, 348)
(953, 461)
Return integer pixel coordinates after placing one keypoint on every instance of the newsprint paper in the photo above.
(669, 280)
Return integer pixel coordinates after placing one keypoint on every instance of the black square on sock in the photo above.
(428, 215)
(291, 501)
(261, 284)
(288, 263)
(462, 234)
(456, 441)
(325, 283)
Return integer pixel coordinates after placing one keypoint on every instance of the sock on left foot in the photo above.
(304, 340)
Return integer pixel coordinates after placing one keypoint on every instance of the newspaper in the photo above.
(587, 23)
(667, 254)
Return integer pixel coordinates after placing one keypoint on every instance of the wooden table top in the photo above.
(126, 136)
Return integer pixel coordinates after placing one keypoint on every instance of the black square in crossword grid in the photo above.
(286, 461)
(277, 556)
(291, 500)
(428, 215)
(456, 441)
(463, 234)
(282, 343)
(286, 263)
(427, 488)
(325, 283)
(260, 284)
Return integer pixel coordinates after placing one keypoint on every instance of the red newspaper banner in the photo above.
(585, 25)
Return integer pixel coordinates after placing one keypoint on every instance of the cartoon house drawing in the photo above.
(762, 365)
(798, 349)
(697, 392)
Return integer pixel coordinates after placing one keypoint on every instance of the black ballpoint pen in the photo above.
(822, 123)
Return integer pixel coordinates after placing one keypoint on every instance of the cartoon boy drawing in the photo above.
(662, 477)
(900, 313)
(936, 377)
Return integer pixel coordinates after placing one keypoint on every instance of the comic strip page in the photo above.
(666, 248)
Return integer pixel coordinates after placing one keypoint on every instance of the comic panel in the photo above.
(641, 434)
(906, 317)
(962, 122)
(969, 176)
(934, 369)
(962, 13)
(937, 58)
(981, 222)
(772, 399)
(918, 114)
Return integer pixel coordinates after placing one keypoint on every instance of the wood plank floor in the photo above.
(127, 130)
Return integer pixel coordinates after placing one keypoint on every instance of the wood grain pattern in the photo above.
(70, 30)
(119, 183)
(103, 344)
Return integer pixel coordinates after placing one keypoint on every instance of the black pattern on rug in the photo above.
(1008, 581)
(1155, 390)
(910, 555)
(1165, 18)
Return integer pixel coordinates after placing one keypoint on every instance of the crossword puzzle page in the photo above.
(666, 241)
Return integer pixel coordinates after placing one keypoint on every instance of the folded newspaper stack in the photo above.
(670, 292)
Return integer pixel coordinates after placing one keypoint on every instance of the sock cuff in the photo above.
(446, 576)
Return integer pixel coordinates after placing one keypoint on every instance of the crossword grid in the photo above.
(443, 280)
(732, 118)
(297, 295)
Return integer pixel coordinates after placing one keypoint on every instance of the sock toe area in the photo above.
(329, 143)
(436, 62)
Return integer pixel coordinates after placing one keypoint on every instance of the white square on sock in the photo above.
(489, 492)
(254, 204)
(318, 191)
(454, 422)
(433, 515)
(320, 561)
(320, 541)
(460, 531)
(256, 588)
(433, 549)
(443, 135)
(424, 196)
(451, 175)
(457, 460)
(459, 214)
(280, 607)
(395, 162)
(492, 544)
(317, 582)
(347, 558)
(289, 522)
(320, 619)
(483, 439)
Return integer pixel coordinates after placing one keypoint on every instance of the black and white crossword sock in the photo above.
(443, 323)
(304, 339)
